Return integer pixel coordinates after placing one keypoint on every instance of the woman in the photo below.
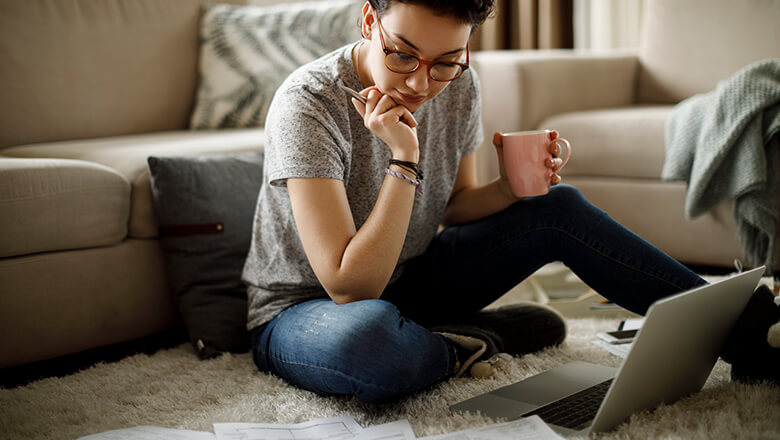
(353, 290)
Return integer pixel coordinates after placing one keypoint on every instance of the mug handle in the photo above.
(563, 142)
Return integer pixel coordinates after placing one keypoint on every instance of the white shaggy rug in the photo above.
(173, 389)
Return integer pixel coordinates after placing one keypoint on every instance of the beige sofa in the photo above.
(91, 88)
(613, 106)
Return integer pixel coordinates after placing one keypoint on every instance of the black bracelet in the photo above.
(408, 166)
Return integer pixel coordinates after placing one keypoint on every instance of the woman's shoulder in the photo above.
(312, 91)
(309, 102)
(319, 77)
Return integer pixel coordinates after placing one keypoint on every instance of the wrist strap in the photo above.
(408, 166)
(416, 183)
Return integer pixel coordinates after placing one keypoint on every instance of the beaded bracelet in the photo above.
(403, 176)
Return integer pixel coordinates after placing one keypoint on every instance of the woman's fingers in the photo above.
(555, 163)
(408, 118)
(498, 139)
(384, 109)
(360, 107)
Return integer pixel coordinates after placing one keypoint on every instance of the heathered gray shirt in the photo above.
(313, 130)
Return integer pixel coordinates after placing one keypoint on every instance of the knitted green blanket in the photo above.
(725, 144)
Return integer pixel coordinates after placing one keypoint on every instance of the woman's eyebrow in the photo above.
(409, 43)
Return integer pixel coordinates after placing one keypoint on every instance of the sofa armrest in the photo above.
(520, 89)
(44, 202)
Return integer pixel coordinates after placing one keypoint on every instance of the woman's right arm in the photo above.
(356, 264)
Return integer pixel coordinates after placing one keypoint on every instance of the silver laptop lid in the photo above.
(674, 352)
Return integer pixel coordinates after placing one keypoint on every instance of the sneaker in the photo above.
(524, 327)
(747, 349)
(511, 330)
(477, 351)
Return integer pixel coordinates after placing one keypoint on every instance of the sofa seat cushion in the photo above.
(128, 155)
(59, 204)
(623, 142)
(57, 303)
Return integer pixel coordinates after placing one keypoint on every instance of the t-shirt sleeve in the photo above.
(302, 137)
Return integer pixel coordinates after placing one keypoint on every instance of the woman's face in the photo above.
(417, 31)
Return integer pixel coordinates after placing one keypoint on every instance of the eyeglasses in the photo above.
(401, 62)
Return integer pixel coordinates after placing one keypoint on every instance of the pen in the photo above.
(353, 93)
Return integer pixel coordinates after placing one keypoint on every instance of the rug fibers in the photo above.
(173, 389)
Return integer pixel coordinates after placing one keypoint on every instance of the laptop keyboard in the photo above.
(576, 410)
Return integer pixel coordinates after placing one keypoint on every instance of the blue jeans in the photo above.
(380, 350)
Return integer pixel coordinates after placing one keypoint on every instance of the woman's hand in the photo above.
(554, 164)
(391, 122)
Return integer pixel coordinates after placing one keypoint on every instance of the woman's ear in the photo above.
(367, 21)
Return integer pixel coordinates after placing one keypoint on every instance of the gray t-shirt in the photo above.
(313, 130)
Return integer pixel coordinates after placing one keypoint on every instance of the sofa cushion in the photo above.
(75, 69)
(246, 53)
(624, 142)
(688, 46)
(57, 303)
(58, 204)
(205, 206)
(127, 154)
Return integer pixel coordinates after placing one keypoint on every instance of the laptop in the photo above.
(672, 356)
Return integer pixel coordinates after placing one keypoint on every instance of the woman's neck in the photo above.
(357, 61)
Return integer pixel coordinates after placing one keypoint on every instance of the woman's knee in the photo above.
(562, 202)
(379, 331)
(566, 194)
(371, 316)
(377, 355)
(559, 195)
(568, 201)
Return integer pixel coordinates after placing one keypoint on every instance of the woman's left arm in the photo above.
(469, 202)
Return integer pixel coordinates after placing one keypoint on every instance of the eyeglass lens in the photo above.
(400, 62)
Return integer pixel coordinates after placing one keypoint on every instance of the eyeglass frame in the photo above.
(420, 61)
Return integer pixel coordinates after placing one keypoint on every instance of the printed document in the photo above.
(150, 433)
(532, 428)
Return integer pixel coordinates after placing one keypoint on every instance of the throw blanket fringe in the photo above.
(725, 144)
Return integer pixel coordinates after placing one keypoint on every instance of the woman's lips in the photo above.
(412, 99)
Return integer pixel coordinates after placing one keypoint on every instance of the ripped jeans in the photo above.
(380, 350)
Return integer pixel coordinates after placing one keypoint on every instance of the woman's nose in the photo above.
(418, 80)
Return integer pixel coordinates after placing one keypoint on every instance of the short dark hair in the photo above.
(473, 12)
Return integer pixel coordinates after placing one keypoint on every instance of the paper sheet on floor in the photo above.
(398, 430)
(532, 428)
(335, 428)
(620, 350)
(150, 433)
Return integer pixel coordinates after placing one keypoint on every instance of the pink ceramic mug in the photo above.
(525, 153)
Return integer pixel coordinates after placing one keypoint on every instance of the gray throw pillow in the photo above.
(205, 207)
(247, 51)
